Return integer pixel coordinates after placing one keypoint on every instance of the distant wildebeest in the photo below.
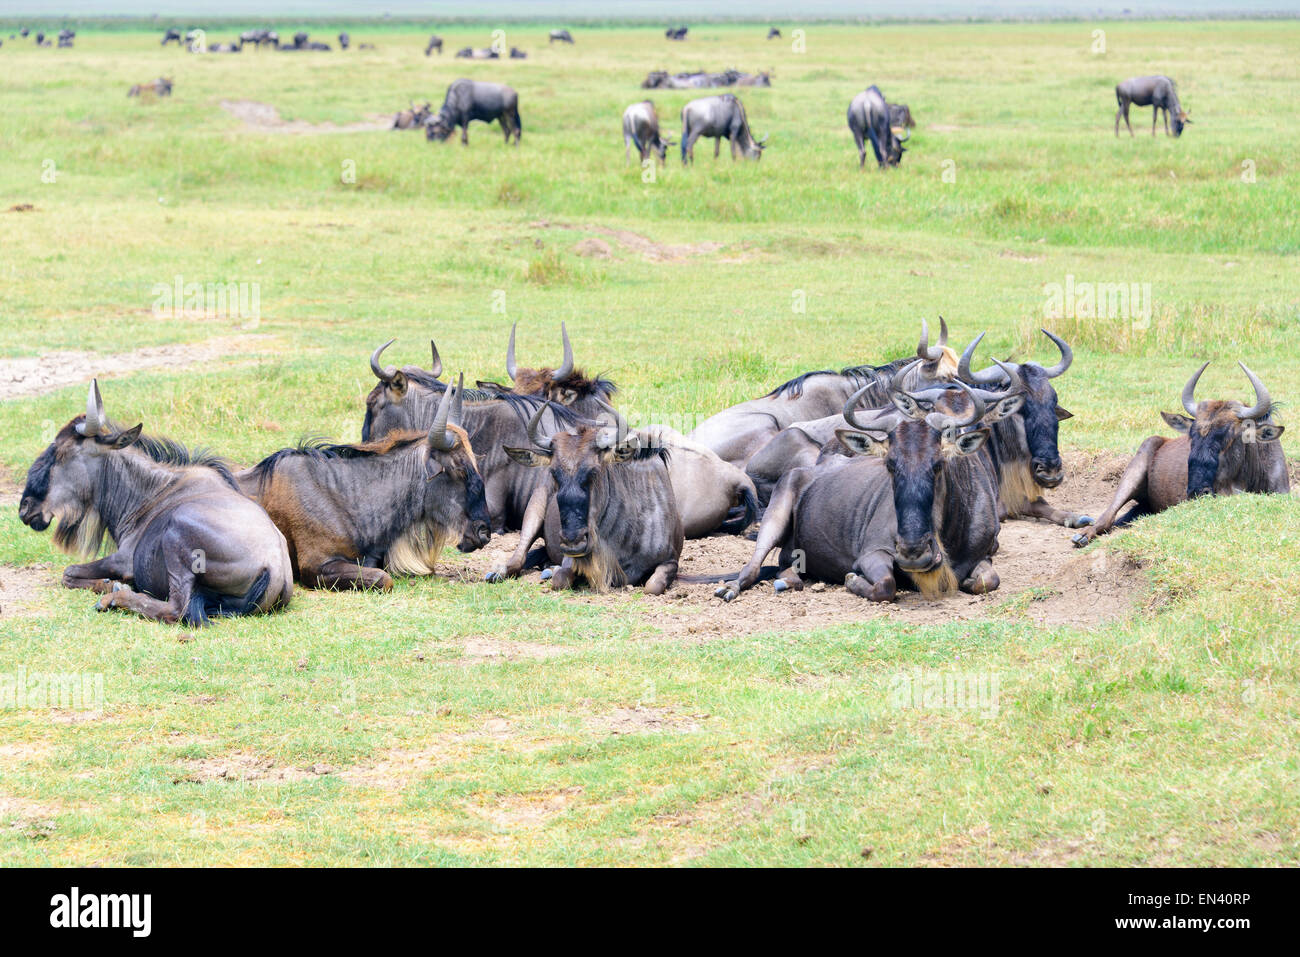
(478, 53)
(225, 48)
(159, 87)
(65, 37)
(354, 513)
(1225, 448)
(344, 40)
(920, 499)
(435, 43)
(759, 79)
(869, 119)
(676, 33)
(774, 34)
(258, 37)
(641, 129)
(719, 117)
(564, 36)
(611, 517)
(517, 54)
(659, 79)
(188, 545)
(1157, 92)
(469, 100)
(412, 118)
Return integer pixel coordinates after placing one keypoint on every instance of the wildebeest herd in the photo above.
(877, 476)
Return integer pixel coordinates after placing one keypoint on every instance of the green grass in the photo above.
(1165, 738)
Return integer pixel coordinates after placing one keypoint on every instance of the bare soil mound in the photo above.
(265, 118)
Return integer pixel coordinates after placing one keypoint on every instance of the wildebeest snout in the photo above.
(1048, 473)
(29, 510)
(921, 555)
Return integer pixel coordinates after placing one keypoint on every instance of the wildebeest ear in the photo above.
(1179, 423)
(1268, 432)
(1063, 413)
(627, 449)
(967, 442)
(123, 439)
(907, 405)
(397, 385)
(863, 443)
(528, 457)
(432, 468)
(567, 396)
(1005, 407)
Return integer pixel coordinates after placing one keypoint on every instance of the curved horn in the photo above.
(95, 419)
(940, 421)
(566, 367)
(1067, 356)
(542, 443)
(923, 348)
(989, 376)
(458, 404)
(883, 420)
(511, 368)
(619, 428)
(1189, 391)
(1263, 402)
(907, 135)
(438, 437)
(436, 367)
(1017, 384)
(382, 374)
(896, 384)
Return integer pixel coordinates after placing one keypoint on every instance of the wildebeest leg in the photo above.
(176, 556)
(789, 578)
(627, 150)
(98, 576)
(529, 528)
(772, 532)
(875, 145)
(1155, 118)
(862, 146)
(563, 576)
(1126, 122)
(981, 580)
(338, 574)
(464, 134)
(873, 578)
(1041, 508)
(1132, 487)
(717, 148)
(661, 578)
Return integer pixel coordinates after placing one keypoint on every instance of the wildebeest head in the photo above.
(402, 397)
(1220, 433)
(63, 481)
(1041, 413)
(916, 438)
(566, 384)
(452, 461)
(1180, 119)
(577, 460)
(436, 127)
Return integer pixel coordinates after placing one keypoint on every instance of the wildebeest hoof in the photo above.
(1083, 521)
(780, 585)
(1080, 540)
(726, 593)
(547, 573)
(495, 575)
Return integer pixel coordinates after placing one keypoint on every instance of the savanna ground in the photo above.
(1140, 700)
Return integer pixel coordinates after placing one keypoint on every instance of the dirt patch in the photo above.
(1063, 586)
(265, 118)
(638, 245)
(54, 370)
(642, 720)
(240, 766)
(22, 208)
(522, 811)
(24, 588)
(1020, 257)
(478, 650)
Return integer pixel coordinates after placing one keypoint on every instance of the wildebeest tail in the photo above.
(206, 605)
(749, 504)
(766, 573)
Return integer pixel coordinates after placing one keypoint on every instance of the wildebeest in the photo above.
(611, 517)
(565, 384)
(1157, 92)
(676, 33)
(469, 100)
(719, 117)
(711, 494)
(1024, 446)
(225, 48)
(661, 79)
(929, 509)
(258, 37)
(189, 546)
(344, 40)
(869, 119)
(1225, 448)
(517, 54)
(171, 35)
(564, 36)
(159, 87)
(774, 34)
(478, 53)
(412, 118)
(758, 79)
(435, 43)
(354, 513)
(641, 128)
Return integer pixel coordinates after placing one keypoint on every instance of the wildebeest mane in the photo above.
(323, 450)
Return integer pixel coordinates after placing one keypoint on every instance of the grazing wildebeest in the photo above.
(354, 513)
(517, 54)
(774, 34)
(869, 119)
(611, 517)
(929, 509)
(189, 546)
(901, 117)
(65, 37)
(1024, 446)
(1225, 448)
(344, 40)
(738, 432)
(676, 33)
(412, 118)
(641, 128)
(159, 87)
(258, 37)
(469, 100)
(478, 53)
(719, 117)
(564, 36)
(435, 43)
(1154, 91)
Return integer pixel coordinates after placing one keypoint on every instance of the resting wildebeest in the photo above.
(564, 36)
(641, 128)
(171, 35)
(869, 119)
(65, 37)
(929, 508)
(706, 488)
(225, 48)
(718, 117)
(738, 432)
(189, 546)
(760, 79)
(469, 100)
(411, 118)
(774, 34)
(435, 43)
(159, 87)
(354, 513)
(1024, 446)
(566, 384)
(517, 54)
(611, 517)
(676, 33)
(478, 53)
(1154, 91)
(1225, 448)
